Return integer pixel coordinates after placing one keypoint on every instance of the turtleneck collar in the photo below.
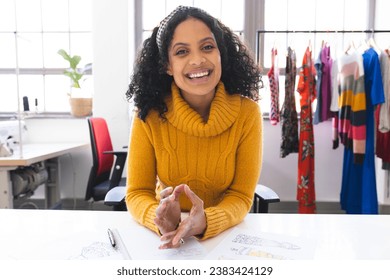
(223, 113)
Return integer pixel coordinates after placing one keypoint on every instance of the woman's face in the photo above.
(194, 59)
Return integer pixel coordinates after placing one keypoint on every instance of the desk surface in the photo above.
(30, 234)
(36, 152)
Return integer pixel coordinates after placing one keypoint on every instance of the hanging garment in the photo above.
(382, 134)
(323, 67)
(383, 145)
(358, 189)
(334, 105)
(288, 113)
(326, 84)
(318, 67)
(384, 114)
(351, 120)
(273, 76)
(307, 90)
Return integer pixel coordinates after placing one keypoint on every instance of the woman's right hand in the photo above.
(168, 213)
(193, 225)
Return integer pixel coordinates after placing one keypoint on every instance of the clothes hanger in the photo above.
(363, 46)
(371, 42)
(350, 47)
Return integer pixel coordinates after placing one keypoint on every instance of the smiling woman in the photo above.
(195, 64)
(196, 140)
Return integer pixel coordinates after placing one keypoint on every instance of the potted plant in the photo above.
(80, 102)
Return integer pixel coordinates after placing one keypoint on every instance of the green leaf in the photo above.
(74, 61)
(64, 54)
(73, 73)
(77, 76)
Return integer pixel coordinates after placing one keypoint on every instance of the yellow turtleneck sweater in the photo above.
(219, 160)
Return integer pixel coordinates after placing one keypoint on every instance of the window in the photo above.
(31, 33)
(231, 13)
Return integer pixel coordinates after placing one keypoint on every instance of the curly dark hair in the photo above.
(150, 84)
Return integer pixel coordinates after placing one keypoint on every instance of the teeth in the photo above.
(198, 75)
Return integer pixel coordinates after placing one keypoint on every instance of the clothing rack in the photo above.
(324, 31)
(260, 41)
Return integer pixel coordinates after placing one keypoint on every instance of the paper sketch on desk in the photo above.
(142, 244)
(96, 250)
(250, 245)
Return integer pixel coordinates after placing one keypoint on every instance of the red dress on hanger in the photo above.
(307, 90)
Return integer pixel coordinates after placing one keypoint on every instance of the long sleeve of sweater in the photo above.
(220, 160)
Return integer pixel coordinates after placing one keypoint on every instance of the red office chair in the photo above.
(104, 175)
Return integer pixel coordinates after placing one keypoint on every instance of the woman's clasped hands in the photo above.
(168, 216)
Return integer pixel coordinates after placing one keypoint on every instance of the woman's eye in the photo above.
(208, 47)
(181, 52)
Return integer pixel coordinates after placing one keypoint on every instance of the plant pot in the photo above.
(80, 107)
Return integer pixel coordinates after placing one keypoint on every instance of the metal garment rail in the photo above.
(260, 41)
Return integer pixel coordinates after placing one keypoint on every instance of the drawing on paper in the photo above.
(244, 244)
(251, 252)
(191, 252)
(96, 250)
(258, 241)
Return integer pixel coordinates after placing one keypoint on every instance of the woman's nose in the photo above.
(197, 58)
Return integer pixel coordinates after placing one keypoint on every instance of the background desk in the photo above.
(33, 153)
(346, 237)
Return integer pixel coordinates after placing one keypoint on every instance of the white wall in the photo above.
(112, 55)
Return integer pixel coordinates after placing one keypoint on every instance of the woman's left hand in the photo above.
(194, 224)
(168, 213)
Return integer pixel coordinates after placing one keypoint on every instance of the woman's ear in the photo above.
(169, 70)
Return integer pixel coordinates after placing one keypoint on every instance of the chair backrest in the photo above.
(101, 162)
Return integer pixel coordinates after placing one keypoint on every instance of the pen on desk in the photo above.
(111, 237)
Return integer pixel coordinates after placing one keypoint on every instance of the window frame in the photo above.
(44, 72)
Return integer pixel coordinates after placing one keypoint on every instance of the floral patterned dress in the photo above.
(288, 113)
(307, 90)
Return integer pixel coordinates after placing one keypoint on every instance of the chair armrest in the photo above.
(263, 196)
(119, 164)
(115, 196)
(116, 153)
(266, 194)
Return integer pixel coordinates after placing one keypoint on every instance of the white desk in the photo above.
(343, 237)
(33, 153)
